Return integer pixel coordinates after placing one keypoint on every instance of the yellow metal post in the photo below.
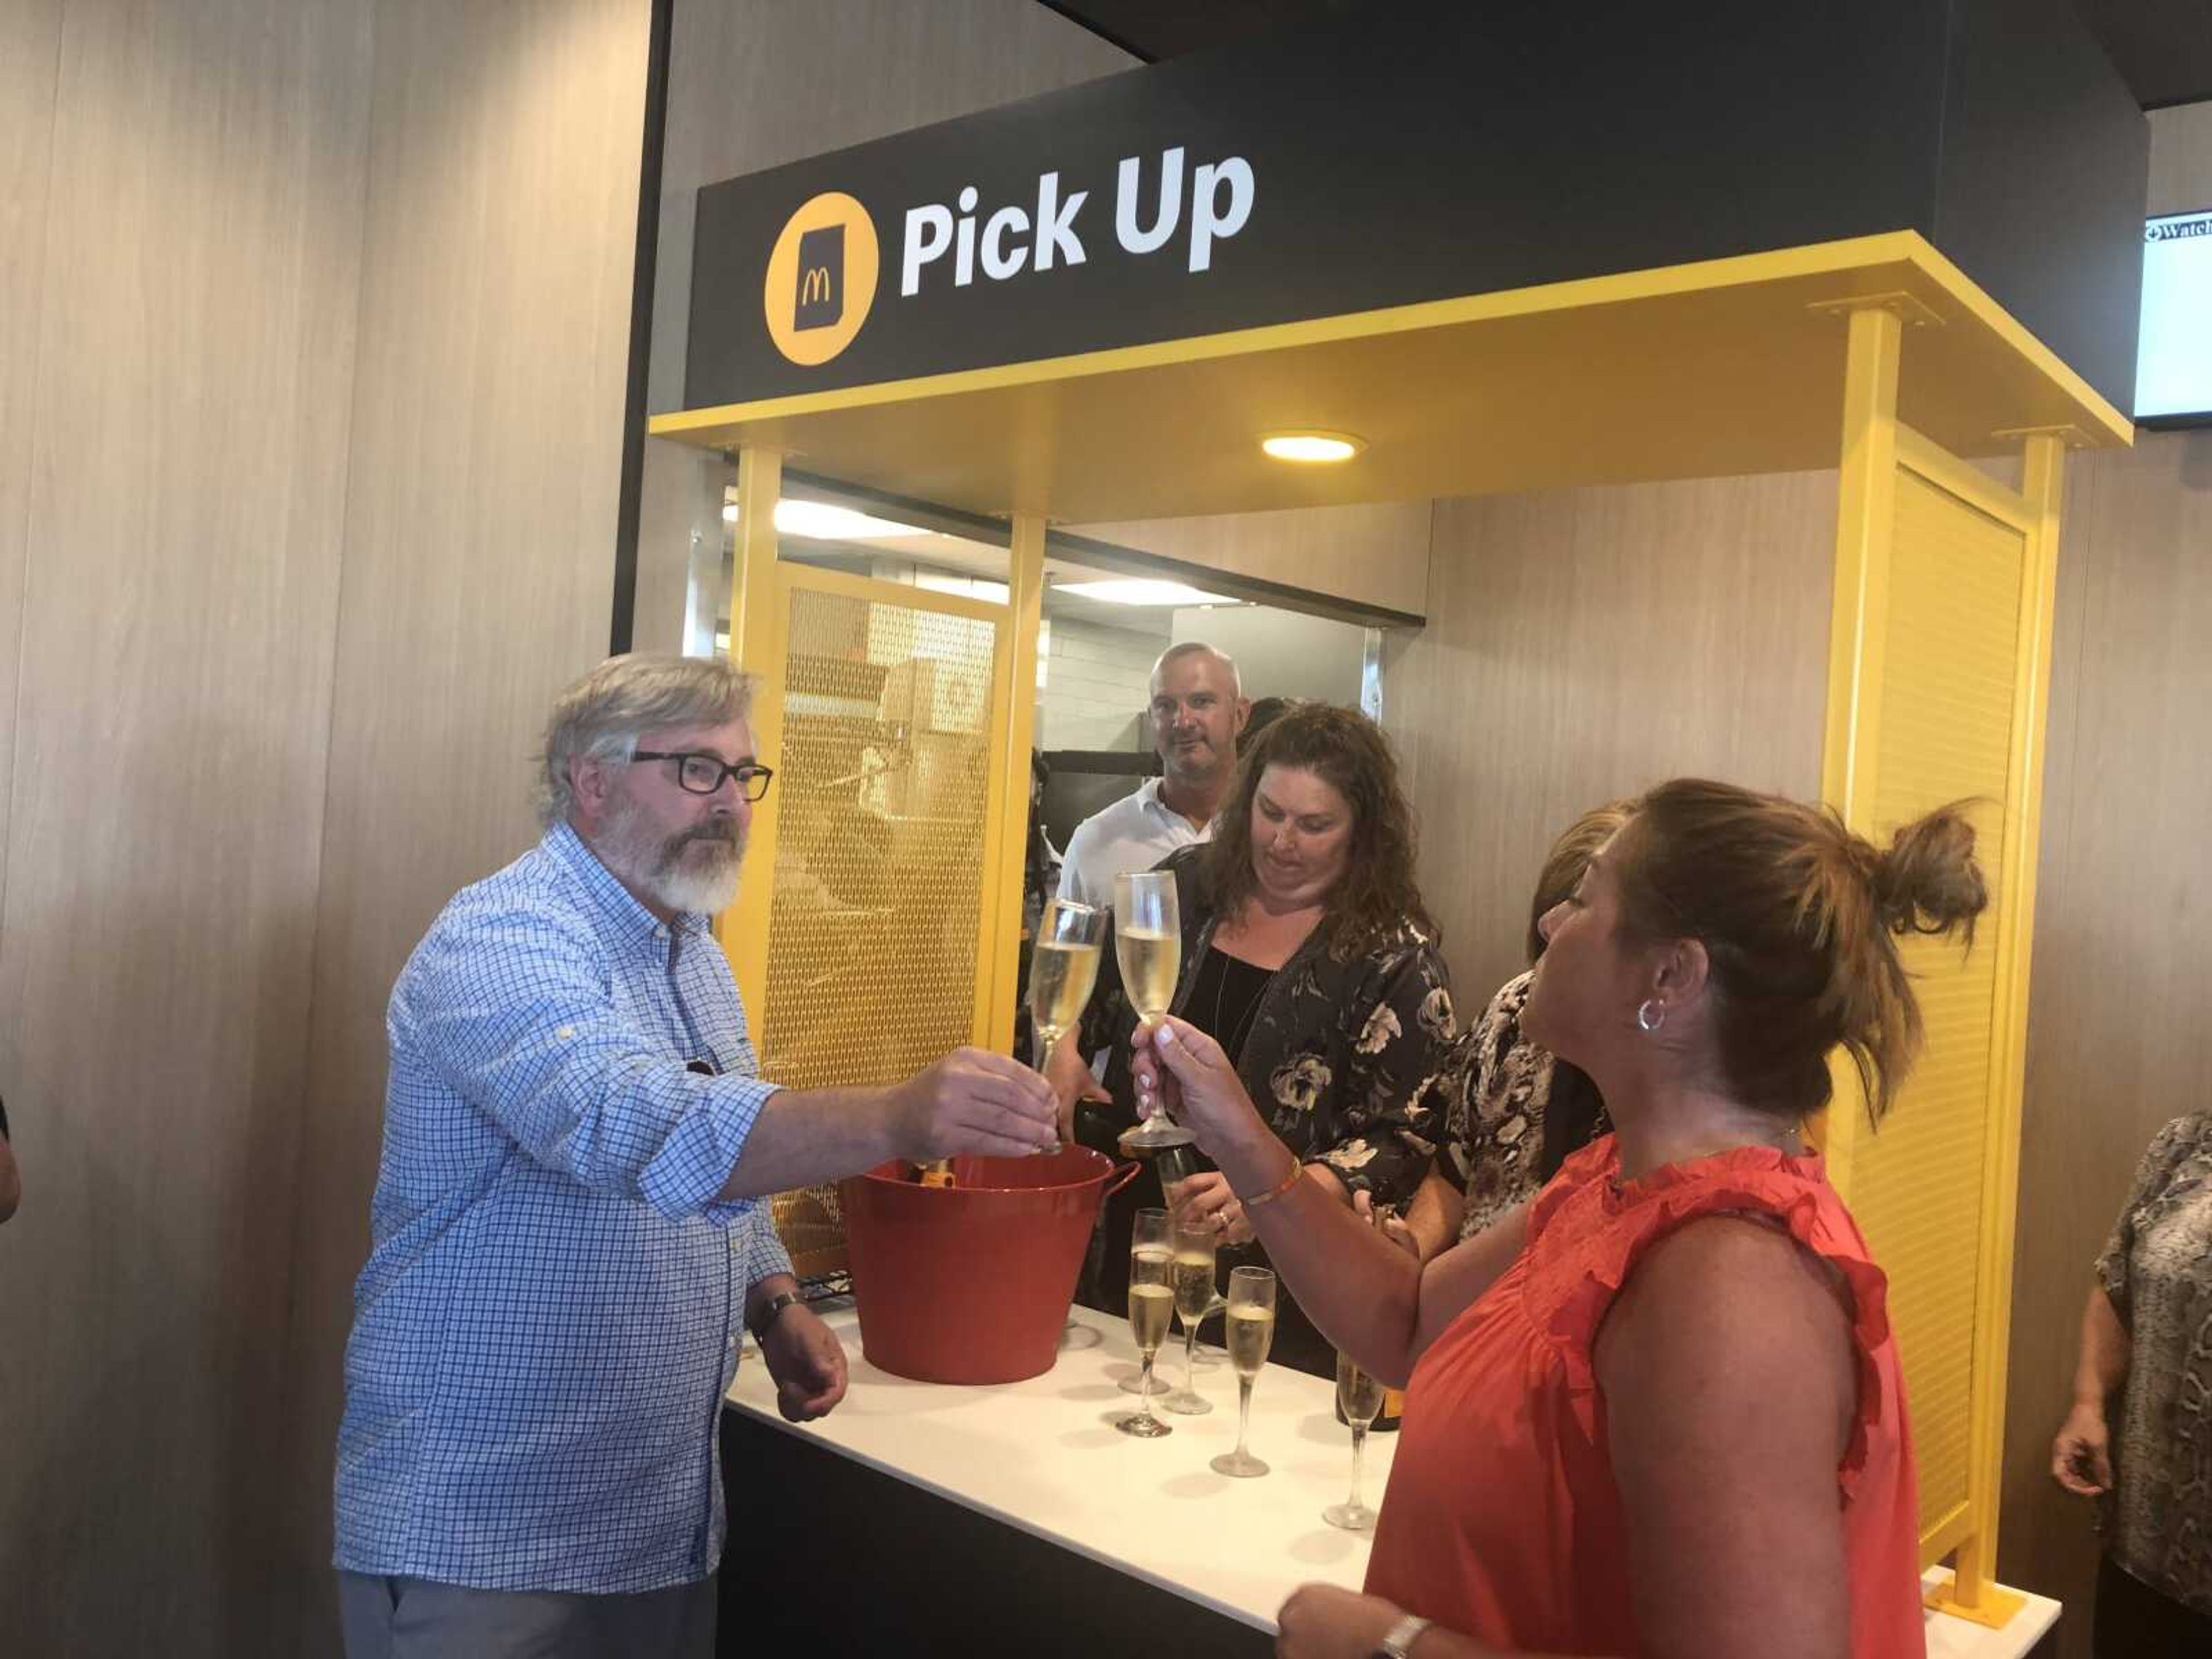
(758, 623)
(1008, 844)
(1866, 514)
(1973, 1592)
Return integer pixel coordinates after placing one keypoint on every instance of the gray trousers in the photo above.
(415, 1619)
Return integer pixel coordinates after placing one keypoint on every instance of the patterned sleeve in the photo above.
(1469, 1078)
(1495, 1134)
(760, 1249)
(1387, 1127)
(512, 1008)
(2170, 1146)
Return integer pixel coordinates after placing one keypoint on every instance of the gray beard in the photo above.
(702, 883)
(706, 892)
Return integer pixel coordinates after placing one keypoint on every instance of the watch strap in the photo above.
(1402, 1637)
(771, 1310)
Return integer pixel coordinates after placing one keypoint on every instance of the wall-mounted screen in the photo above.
(2174, 362)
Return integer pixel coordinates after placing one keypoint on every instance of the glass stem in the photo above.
(1243, 1413)
(1042, 1040)
(1190, 1357)
(1144, 1393)
(1358, 1456)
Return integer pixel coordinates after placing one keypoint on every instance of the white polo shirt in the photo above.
(1134, 833)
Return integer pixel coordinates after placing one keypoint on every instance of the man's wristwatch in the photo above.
(1402, 1637)
(771, 1310)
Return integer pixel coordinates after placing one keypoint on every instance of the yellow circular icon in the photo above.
(821, 279)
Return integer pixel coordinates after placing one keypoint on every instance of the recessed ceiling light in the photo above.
(820, 521)
(1312, 446)
(1138, 590)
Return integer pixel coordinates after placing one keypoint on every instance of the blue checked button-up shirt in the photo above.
(549, 1314)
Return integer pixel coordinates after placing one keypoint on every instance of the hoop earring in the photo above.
(1651, 1014)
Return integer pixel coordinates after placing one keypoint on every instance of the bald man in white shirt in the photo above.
(1198, 708)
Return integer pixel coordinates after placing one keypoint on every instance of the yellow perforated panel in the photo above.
(1946, 712)
(875, 917)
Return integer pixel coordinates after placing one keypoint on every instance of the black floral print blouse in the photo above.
(1338, 1052)
(2156, 1270)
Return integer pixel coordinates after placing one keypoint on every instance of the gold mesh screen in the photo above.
(876, 914)
(1946, 735)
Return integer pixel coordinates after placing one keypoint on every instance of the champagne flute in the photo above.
(1251, 1332)
(1194, 1300)
(1174, 1165)
(1062, 970)
(1148, 947)
(1151, 1304)
(1359, 1397)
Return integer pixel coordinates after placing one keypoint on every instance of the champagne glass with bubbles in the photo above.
(1062, 970)
(1359, 1397)
(1251, 1334)
(1174, 1165)
(1148, 948)
(1152, 1305)
(1193, 1299)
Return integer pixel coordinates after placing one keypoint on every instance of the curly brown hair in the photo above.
(1378, 894)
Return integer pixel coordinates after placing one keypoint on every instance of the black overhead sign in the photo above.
(1420, 153)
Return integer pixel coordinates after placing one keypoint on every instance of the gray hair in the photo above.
(1199, 648)
(600, 716)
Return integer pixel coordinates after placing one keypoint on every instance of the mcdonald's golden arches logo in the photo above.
(821, 279)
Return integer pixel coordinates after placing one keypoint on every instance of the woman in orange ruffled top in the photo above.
(1657, 1410)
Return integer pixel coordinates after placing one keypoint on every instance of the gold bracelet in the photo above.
(1275, 1191)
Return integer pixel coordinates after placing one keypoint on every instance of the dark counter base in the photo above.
(827, 1559)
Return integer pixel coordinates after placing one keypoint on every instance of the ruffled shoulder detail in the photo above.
(1586, 1235)
(1588, 1170)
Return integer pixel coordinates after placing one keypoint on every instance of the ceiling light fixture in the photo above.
(821, 521)
(1140, 590)
(1312, 446)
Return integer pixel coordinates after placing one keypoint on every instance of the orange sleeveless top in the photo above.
(1501, 1520)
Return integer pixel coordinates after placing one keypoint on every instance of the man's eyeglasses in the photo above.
(702, 775)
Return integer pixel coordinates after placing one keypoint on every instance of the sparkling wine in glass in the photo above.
(1063, 968)
(1193, 1270)
(1148, 948)
(1152, 1305)
(1359, 1397)
(1174, 1165)
(1251, 1332)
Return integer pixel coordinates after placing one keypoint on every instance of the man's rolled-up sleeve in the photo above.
(514, 1010)
(763, 1254)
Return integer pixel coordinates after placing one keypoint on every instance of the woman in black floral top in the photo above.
(2147, 1350)
(1308, 955)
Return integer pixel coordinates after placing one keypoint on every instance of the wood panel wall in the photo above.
(30, 58)
(2117, 1041)
(753, 86)
(178, 321)
(1583, 644)
(500, 234)
(2180, 159)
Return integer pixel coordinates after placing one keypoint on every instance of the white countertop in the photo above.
(1043, 1455)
